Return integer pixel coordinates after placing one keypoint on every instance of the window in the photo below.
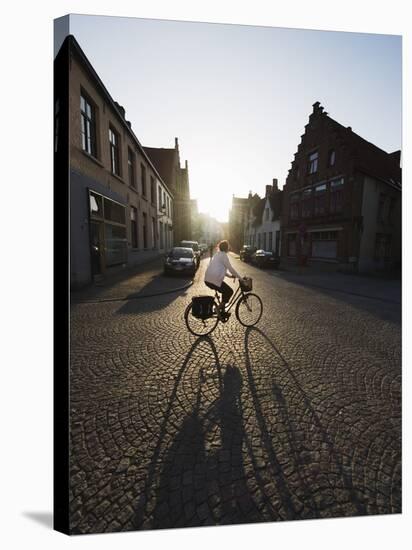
(143, 180)
(264, 241)
(96, 205)
(152, 190)
(294, 206)
(131, 168)
(88, 126)
(270, 246)
(307, 203)
(161, 235)
(391, 212)
(154, 232)
(382, 247)
(144, 230)
(133, 226)
(114, 212)
(313, 163)
(331, 157)
(159, 198)
(381, 208)
(320, 199)
(114, 151)
(292, 244)
(266, 214)
(336, 196)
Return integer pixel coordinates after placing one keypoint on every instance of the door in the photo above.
(96, 247)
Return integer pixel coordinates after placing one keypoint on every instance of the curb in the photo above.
(131, 297)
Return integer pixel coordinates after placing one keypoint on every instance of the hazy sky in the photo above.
(238, 97)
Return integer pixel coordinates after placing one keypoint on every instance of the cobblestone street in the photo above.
(296, 418)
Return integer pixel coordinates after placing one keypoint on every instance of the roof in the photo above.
(258, 211)
(164, 160)
(275, 201)
(71, 43)
(369, 158)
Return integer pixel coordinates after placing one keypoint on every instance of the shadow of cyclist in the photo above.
(140, 517)
(285, 417)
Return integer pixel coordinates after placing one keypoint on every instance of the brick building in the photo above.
(342, 200)
(167, 162)
(120, 208)
(263, 229)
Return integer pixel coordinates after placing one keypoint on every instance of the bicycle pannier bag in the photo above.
(202, 306)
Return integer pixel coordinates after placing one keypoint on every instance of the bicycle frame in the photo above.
(234, 298)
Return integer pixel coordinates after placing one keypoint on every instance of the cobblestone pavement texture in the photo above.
(297, 418)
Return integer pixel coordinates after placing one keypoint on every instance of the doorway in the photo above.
(96, 247)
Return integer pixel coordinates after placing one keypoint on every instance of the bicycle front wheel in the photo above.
(249, 309)
(200, 327)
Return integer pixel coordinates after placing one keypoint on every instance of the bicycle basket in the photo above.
(246, 284)
(202, 306)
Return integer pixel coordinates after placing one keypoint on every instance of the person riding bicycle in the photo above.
(220, 267)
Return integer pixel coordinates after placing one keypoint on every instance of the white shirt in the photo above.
(217, 269)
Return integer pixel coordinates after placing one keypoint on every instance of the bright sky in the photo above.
(238, 97)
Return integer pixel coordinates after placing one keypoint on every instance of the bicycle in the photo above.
(248, 310)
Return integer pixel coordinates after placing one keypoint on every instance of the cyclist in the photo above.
(220, 267)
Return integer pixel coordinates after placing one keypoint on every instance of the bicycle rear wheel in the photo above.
(249, 309)
(200, 327)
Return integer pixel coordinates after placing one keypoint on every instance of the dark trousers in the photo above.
(224, 289)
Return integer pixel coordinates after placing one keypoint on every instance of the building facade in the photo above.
(120, 208)
(342, 200)
(167, 163)
(238, 216)
(263, 227)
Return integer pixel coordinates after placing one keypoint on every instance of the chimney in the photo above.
(275, 184)
(268, 190)
(129, 124)
(176, 143)
(317, 108)
(186, 165)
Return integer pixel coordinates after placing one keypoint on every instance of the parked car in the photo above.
(246, 253)
(194, 245)
(180, 260)
(265, 258)
(203, 248)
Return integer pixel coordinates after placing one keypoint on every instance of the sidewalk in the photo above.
(374, 287)
(141, 281)
(386, 290)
